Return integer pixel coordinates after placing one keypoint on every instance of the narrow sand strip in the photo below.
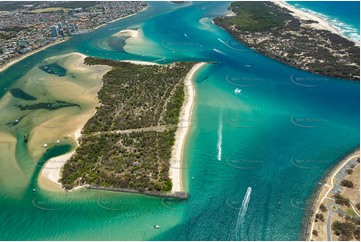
(147, 63)
(300, 14)
(175, 169)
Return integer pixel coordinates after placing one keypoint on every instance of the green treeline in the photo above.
(132, 97)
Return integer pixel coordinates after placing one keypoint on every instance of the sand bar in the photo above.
(85, 88)
(175, 170)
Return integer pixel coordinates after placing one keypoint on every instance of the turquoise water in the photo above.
(344, 15)
(256, 124)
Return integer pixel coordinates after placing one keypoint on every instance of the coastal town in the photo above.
(29, 26)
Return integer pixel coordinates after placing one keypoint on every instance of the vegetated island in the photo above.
(127, 144)
(335, 214)
(274, 30)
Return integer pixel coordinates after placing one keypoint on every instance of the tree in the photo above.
(323, 207)
(320, 217)
(347, 183)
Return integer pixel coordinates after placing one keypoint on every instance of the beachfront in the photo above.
(185, 117)
(328, 205)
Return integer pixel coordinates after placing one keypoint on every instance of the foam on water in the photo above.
(220, 137)
(242, 212)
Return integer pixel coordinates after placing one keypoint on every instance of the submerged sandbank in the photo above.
(48, 127)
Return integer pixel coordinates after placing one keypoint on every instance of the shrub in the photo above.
(341, 200)
(323, 208)
(347, 183)
(320, 217)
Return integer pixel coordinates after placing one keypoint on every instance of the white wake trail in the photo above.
(242, 212)
(220, 137)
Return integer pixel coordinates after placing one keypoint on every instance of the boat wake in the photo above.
(219, 143)
(242, 212)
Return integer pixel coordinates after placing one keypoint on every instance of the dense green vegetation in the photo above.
(255, 16)
(133, 96)
(128, 142)
(138, 160)
(274, 32)
(346, 230)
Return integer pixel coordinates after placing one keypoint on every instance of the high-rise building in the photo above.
(67, 27)
(60, 26)
(72, 27)
(76, 27)
(54, 32)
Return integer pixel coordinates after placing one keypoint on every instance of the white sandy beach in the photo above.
(175, 170)
(300, 14)
(127, 33)
(147, 63)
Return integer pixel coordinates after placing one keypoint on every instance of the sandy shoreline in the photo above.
(20, 58)
(300, 14)
(324, 190)
(51, 172)
(175, 170)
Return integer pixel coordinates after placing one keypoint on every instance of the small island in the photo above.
(288, 35)
(127, 144)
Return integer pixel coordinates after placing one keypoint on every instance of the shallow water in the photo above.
(256, 124)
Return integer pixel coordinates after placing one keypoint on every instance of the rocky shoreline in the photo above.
(176, 195)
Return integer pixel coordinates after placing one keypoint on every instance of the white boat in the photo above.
(156, 227)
